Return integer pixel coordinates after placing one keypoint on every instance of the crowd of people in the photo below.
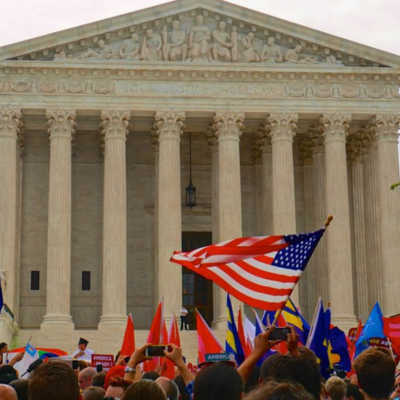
(291, 376)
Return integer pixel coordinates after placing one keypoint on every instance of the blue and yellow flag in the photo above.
(233, 344)
(295, 319)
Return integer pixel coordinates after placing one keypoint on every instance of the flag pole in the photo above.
(328, 221)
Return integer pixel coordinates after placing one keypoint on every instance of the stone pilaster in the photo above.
(169, 128)
(11, 128)
(354, 151)
(282, 128)
(154, 139)
(335, 128)
(228, 128)
(61, 127)
(385, 128)
(114, 127)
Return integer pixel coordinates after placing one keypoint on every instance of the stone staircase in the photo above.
(103, 342)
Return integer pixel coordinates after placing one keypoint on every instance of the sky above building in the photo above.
(373, 22)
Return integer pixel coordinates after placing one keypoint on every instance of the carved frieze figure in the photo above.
(293, 56)
(130, 48)
(331, 59)
(151, 47)
(248, 51)
(271, 52)
(103, 52)
(221, 49)
(235, 47)
(174, 47)
(199, 41)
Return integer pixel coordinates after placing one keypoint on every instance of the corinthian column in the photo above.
(385, 127)
(169, 128)
(354, 150)
(10, 128)
(281, 127)
(114, 127)
(228, 130)
(61, 124)
(335, 128)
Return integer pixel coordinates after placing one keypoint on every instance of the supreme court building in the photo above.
(287, 125)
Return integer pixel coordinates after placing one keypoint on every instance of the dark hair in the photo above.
(182, 387)
(297, 370)
(144, 389)
(7, 374)
(93, 393)
(267, 364)
(352, 390)
(151, 375)
(21, 387)
(219, 381)
(120, 382)
(98, 379)
(375, 369)
(280, 391)
(53, 380)
(2, 345)
(253, 380)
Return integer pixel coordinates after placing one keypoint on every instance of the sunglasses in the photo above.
(111, 398)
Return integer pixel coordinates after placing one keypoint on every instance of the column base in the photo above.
(57, 322)
(112, 320)
(344, 321)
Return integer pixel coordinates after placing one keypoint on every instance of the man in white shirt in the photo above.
(83, 353)
(184, 314)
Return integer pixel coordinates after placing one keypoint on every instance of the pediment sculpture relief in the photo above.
(199, 42)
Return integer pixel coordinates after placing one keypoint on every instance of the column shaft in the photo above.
(10, 128)
(61, 125)
(169, 126)
(338, 234)
(115, 129)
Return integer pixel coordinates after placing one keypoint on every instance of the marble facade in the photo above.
(288, 125)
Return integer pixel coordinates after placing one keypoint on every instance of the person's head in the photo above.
(271, 41)
(251, 36)
(93, 393)
(353, 393)
(182, 387)
(53, 380)
(169, 386)
(85, 377)
(375, 370)
(335, 388)
(7, 374)
(287, 368)
(151, 375)
(267, 365)
(222, 25)
(21, 388)
(82, 364)
(149, 33)
(7, 393)
(397, 384)
(98, 379)
(82, 344)
(3, 347)
(135, 37)
(176, 25)
(117, 387)
(219, 381)
(253, 380)
(114, 372)
(280, 391)
(144, 390)
(298, 48)
(102, 44)
(199, 19)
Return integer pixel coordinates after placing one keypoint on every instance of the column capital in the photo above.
(61, 123)
(335, 127)
(384, 127)
(306, 150)
(212, 139)
(355, 148)
(228, 125)
(169, 124)
(281, 126)
(10, 123)
(114, 124)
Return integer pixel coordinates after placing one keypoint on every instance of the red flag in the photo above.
(242, 338)
(351, 345)
(391, 329)
(260, 271)
(206, 339)
(173, 337)
(155, 335)
(128, 345)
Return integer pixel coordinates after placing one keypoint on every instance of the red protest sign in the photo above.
(106, 360)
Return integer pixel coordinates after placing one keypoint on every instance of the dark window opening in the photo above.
(85, 280)
(35, 280)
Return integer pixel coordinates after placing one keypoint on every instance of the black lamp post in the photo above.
(190, 189)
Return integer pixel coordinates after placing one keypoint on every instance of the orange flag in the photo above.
(207, 341)
(128, 345)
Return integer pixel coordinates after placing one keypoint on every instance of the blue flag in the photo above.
(233, 344)
(318, 338)
(338, 342)
(373, 328)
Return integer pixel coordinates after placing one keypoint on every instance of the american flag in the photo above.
(260, 271)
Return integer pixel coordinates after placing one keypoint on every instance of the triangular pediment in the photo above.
(224, 33)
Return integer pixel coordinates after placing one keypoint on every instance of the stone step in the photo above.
(103, 342)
